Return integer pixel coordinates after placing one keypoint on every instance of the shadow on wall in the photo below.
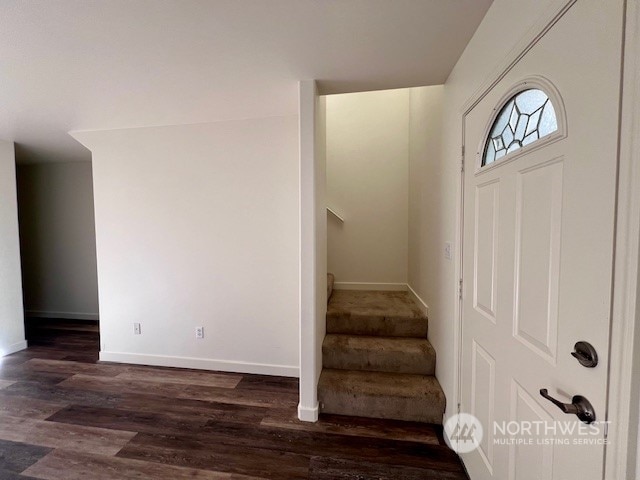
(57, 239)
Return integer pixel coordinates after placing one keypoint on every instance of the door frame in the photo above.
(624, 378)
(623, 391)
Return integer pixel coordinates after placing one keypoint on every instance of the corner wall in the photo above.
(313, 245)
(197, 225)
(58, 240)
(11, 310)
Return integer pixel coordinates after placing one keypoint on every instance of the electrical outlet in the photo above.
(447, 250)
(136, 329)
(199, 332)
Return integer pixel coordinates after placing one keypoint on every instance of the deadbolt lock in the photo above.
(585, 354)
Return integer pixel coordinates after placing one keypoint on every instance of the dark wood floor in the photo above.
(65, 416)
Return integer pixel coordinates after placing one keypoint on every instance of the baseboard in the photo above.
(392, 287)
(416, 298)
(13, 348)
(200, 364)
(307, 414)
(65, 315)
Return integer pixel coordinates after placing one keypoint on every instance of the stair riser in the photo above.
(372, 361)
(377, 326)
(394, 408)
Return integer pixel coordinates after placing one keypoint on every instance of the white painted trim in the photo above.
(199, 363)
(621, 453)
(391, 287)
(307, 414)
(13, 348)
(526, 43)
(66, 315)
(416, 298)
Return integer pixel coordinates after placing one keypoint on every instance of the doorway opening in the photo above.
(377, 147)
(58, 257)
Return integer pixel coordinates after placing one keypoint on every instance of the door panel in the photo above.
(529, 462)
(537, 268)
(538, 249)
(485, 245)
(483, 399)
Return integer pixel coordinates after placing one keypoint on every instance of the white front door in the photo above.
(538, 250)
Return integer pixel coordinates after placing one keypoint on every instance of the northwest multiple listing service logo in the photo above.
(465, 433)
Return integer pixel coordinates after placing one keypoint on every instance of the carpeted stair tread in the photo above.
(395, 396)
(373, 313)
(381, 354)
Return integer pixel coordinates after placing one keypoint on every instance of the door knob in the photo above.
(579, 406)
(585, 354)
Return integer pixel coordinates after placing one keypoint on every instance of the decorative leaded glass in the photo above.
(527, 117)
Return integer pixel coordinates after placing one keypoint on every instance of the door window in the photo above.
(526, 117)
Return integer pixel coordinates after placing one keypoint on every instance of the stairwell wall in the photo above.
(367, 184)
(425, 150)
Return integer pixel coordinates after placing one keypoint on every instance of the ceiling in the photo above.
(102, 64)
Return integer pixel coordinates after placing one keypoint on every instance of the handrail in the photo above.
(332, 212)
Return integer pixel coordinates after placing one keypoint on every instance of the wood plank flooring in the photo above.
(64, 416)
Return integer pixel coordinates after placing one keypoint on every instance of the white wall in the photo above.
(313, 246)
(367, 184)
(425, 195)
(494, 39)
(197, 225)
(11, 314)
(57, 239)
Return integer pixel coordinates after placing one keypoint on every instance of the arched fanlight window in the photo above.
(526, 117)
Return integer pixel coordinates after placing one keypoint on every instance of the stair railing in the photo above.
(332, 212)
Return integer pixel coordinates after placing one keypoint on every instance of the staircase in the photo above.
(377, 361)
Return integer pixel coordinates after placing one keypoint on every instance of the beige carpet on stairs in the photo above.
(330, 281)
(377, 361)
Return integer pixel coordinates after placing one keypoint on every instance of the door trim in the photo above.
(624, 384)
(623, 391)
